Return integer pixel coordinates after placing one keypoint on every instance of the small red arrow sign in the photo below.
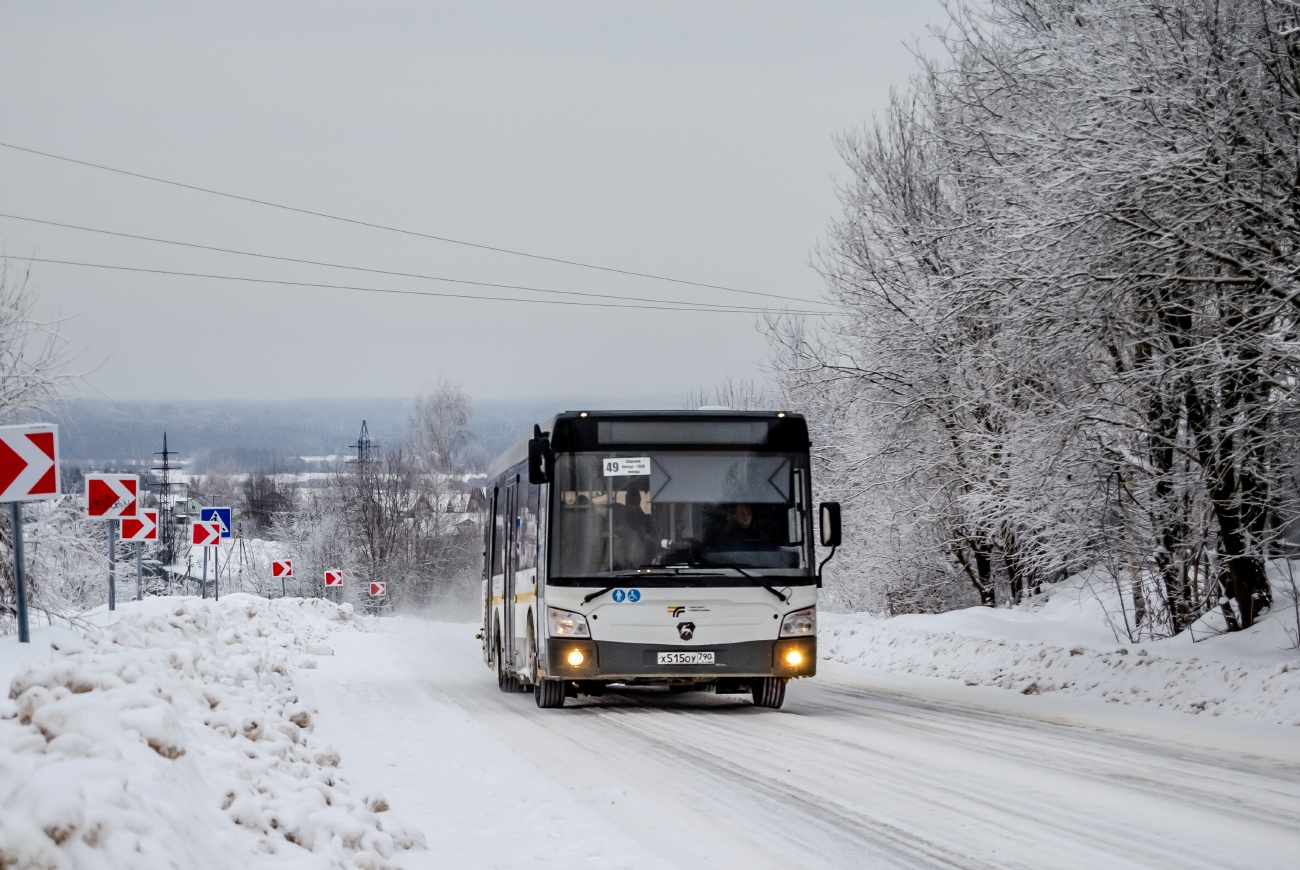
(111, 496)
(378, 589)
(206, 534)
(29, 463)
(282, 568)
(333, 578)
(143, 528)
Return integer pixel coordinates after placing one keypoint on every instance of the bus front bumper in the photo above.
(622, 662)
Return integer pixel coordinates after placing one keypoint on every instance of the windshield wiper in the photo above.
(757, 582)
(688, 571)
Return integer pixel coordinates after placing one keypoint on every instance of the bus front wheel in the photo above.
(768, 692)
(549, 693)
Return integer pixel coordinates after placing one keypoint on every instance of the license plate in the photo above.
(685, 658)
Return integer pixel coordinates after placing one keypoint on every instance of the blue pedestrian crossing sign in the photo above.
(217, 515)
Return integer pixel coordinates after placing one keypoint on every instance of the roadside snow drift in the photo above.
(175, 739)
(1062, 642)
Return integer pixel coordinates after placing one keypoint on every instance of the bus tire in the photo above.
(505, 682)
(549, 693)
(768, 692)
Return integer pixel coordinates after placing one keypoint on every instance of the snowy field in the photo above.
(254, 733)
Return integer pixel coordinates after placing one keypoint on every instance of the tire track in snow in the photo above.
(1255, 789)
(964, 798)
(853, 776)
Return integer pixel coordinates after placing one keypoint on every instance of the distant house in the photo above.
(421, 510)
(270, 503)
(475, 503)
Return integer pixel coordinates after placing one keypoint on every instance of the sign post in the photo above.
(143, 528)
(205, 535)
(112, 566)
(29, 471)
(20, 570)
(220, 516)
(112, 497)
(282, 568)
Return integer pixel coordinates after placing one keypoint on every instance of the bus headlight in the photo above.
(566, 624)
(801, 623)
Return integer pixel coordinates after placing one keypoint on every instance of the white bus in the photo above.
(654, 547)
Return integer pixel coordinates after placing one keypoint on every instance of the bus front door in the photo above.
(511, 567)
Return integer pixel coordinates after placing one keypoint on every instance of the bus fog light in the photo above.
(801, 623)
(794, 658)
(575, 658)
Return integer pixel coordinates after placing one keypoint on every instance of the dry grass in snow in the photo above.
(175, 739)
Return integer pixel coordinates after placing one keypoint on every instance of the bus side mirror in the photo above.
(539, 457)
(830, 523)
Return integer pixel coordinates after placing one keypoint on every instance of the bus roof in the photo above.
(581, 430)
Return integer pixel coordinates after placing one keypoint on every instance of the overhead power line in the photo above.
(378, 226)
(681, 306)
(389, 272)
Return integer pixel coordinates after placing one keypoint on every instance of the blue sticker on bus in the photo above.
(619, 595)
(634, 595)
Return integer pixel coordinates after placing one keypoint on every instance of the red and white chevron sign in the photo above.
(282, 568)
(333, 578)
(379, 588)
(29, 462)
(143, 528)
(112, 496)
(206, 534)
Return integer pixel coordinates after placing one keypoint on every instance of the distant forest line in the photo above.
(247, 435)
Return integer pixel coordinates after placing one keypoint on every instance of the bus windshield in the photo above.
(678, 510)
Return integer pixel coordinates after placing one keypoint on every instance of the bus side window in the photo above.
(498, 533)
(528, 540)
(485, 511)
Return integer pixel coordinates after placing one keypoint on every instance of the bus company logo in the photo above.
(686, 630)
(676, 610)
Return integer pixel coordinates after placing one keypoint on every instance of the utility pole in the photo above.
(166, 510)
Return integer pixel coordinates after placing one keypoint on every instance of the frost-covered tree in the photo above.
(1066, 276)
(33, 357)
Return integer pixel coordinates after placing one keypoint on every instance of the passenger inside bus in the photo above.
(638, 526)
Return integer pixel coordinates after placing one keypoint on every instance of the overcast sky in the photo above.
(693, 140)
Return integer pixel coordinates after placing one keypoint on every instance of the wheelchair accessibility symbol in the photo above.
(634, 595)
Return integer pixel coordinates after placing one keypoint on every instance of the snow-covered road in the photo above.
(852, 773)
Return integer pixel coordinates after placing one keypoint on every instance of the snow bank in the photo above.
(175, 739)
(1062, 642)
